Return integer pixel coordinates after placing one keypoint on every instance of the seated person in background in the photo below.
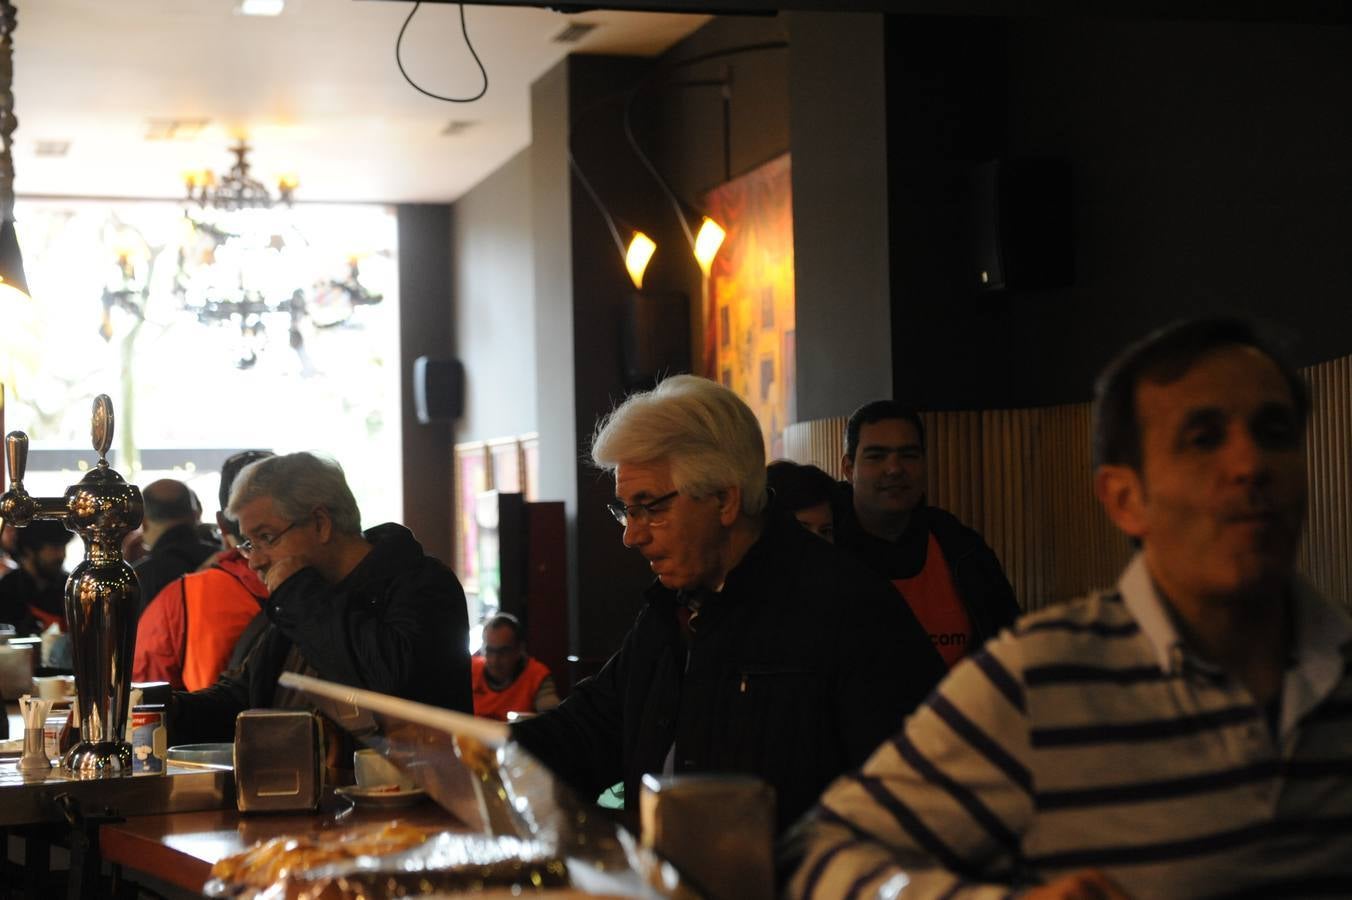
(369, 609)
(505, 679)
(760, 649)
(1184, 735)
(805, 492)
(172, 546)
(187, 633)
(33, 596)
(952, 581)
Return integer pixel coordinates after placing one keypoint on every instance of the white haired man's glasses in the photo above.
(264, 541)
(640, 513)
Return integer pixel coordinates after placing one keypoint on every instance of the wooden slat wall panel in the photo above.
(1324, 554)
(1023, 479)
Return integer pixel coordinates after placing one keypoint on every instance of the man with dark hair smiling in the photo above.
(952, 581)
(1185, 734)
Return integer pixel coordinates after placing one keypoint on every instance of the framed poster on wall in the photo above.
(749, 316)
(471, 478)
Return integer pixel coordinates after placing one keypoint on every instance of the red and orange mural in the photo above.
(749, 328)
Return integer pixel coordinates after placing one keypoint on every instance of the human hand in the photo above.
(1086, 884)
(280, 569)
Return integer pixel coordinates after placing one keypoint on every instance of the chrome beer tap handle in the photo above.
(101, 427)
(102, 593)
(16, 506)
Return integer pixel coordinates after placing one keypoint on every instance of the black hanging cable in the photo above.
(463, 30)
(600, 207)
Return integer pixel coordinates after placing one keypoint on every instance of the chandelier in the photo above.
(237, 189)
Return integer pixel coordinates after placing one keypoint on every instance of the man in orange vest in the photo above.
(505, 679)
(187, 632)
(949, 577)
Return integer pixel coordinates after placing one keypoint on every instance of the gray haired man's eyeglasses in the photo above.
(640, 513)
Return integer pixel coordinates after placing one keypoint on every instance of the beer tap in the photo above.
(102, 593)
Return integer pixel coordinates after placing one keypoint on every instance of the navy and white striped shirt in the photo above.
(1089, 737)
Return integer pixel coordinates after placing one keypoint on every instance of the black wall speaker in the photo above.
(1021, 225)
(655, 336)
(438, 389)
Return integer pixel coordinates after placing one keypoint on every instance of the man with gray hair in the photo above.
(760, 648)
(369, 609)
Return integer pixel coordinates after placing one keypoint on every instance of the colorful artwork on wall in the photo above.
(749, 321)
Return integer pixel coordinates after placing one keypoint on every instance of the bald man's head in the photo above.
(169, 502)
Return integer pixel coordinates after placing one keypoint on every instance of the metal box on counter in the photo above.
(277, 760)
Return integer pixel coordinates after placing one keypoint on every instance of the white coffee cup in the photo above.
(54, 687)
(372, 770)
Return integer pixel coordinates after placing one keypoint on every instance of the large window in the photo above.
(211, 333)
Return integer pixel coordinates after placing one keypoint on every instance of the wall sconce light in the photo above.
(638, 251)
(706, 243)
(12, 276)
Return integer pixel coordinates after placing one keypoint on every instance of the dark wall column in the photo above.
(425, 330)
(580, 291)
(838, 134)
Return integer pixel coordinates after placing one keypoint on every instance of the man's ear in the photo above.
(1122, 492)
(323, 524)
(847, 467)
(729, 505)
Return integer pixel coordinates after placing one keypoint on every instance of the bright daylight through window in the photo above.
(212, 332)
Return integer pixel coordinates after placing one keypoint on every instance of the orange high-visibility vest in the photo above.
(217, 608)
(519, 696)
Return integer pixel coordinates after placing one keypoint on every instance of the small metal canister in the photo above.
(277, 757)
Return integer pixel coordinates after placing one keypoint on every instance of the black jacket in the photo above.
(396, 624)
(179, 550)
(977, 574)
(797, 670)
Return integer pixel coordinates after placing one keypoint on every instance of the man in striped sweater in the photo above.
(1188, 734)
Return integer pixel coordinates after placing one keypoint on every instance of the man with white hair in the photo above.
(365, 608)
(760, 648)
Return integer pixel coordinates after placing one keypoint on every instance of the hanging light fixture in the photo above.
(237, 189)
(706, 243)
(638, 251)
(12, 277)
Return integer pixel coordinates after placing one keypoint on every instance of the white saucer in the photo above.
(381, 797)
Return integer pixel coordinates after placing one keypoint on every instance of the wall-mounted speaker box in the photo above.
(1021, 225)
(438, 389)
(655, 336)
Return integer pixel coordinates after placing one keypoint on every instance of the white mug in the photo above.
(374, 770)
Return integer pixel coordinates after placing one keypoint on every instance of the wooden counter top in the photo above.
(180, 848)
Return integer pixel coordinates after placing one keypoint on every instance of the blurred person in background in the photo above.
(33, 596)
(169, 536)
(805, 492)
(188, 631)
(505, 678)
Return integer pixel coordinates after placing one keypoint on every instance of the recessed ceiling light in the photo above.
(51, 148)
(574, 32)
(174, 129)
(261, 7)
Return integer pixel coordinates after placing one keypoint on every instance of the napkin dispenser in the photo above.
(731, 862)
(277, 760)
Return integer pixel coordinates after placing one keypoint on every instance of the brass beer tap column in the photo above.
(101, 594)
